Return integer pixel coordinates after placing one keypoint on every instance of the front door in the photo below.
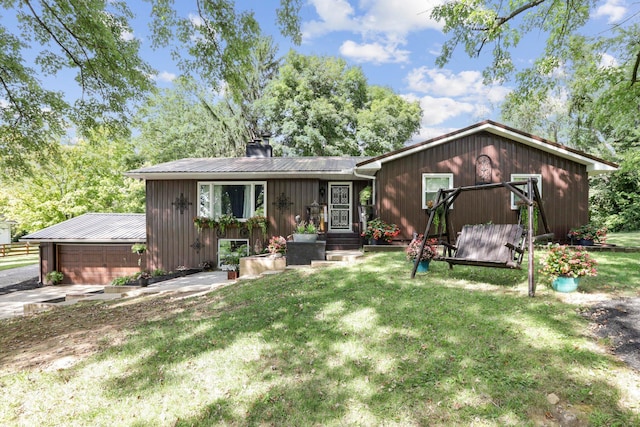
(340, 195)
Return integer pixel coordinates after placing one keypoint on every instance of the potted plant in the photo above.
(257, 221)
(202, 222)
(565, 265)
(588, 233)
(305, 232)
(231, 261)
(428, 252)
(277, 246)
(379, 232)
(139, 248)
(143, 278)
(225, 221)
(54, 277)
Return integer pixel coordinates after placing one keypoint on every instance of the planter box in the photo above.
(256, 265)
(303, 253)
(305, 238)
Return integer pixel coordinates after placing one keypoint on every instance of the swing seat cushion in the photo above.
(489, 245)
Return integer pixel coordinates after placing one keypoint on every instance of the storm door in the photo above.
(340, 206)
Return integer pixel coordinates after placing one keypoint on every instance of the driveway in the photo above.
(13, 276)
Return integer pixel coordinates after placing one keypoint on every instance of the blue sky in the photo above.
(396, 43)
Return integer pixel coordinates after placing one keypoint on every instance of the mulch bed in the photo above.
(618, 320)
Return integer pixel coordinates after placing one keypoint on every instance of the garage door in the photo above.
(96, 264)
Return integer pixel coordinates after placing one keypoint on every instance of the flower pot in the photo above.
(423, 266)
(378, 242)
(565, 284)
(585, 242)
(305, 238)
(232, 274)
(143, 281)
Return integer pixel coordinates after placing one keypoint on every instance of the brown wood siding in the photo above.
(171, 236)
(96, 264)
(47, 259)
(564, 186)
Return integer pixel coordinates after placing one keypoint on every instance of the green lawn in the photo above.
(628, 239)
(17, 261)
(359, 345)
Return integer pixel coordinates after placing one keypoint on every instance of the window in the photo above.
(431, 183)
(227, 246)
(240, 199)
(524, 177)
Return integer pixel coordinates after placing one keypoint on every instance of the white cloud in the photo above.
(127, 35)
(607, 61)
(445, 95)
(373, 52)
(165, 76)
(195, 20)
(382, 25)
(613, 9)
(467, 85)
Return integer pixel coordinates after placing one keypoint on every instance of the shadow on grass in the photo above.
(368, 345)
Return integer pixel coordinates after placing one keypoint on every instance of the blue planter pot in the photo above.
(423, 266)
(585, 242)
(565, 284)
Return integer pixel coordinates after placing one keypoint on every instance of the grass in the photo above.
(359, 345)
(18, 261)
(627, 239)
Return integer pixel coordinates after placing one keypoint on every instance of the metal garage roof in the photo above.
(95, 228)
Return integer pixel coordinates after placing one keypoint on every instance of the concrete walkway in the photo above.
(34, 300)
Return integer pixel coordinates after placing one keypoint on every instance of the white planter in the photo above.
(305, 238)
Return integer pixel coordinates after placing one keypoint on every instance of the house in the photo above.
(93, 248)
(5, 230)
(403, 181)
(487, 152)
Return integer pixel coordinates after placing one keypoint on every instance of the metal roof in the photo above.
(251, 167)
(95, 228)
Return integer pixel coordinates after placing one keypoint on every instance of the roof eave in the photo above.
(84, 241)
(594, 167)
(330, 175)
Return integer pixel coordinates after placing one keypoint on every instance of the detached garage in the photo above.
(91, 249)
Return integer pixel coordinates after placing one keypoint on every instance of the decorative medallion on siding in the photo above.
(484, 170)
(181, 203)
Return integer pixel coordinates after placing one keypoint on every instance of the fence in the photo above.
(14, 249)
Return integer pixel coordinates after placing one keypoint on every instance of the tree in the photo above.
(320, 106)
(89, 37)
(188, 121)
(93, 38)
(86, 177)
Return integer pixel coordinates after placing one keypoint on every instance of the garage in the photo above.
(93, 248)
(95, 264)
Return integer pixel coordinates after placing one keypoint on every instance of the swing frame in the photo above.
(445, 199)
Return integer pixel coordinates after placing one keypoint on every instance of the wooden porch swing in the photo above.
(489, 245)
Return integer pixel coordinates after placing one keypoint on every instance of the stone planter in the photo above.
(305, 238)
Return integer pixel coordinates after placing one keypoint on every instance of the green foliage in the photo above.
(321, 106)
(76, 179)
(186, 121)
(54, 277)
(615, 198)
(88, 38)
